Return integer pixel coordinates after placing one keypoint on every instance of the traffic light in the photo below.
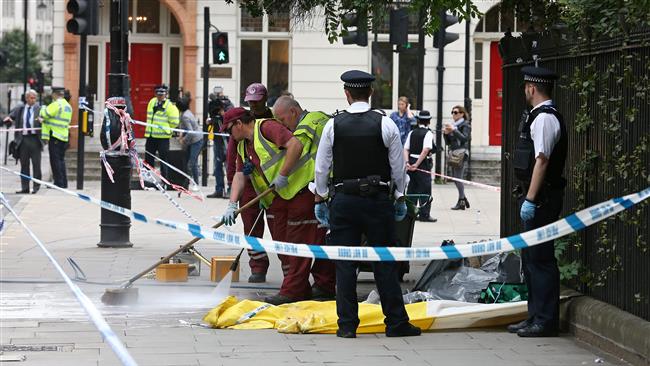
(220, 54)
(32, 82)
(446, 21)
(399, 26)
(3, 59)
(359, 35)
(85, 14)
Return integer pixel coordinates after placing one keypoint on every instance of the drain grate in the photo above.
(36, 348)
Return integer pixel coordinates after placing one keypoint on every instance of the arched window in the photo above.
(498, 20)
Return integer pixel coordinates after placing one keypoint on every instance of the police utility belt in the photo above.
(371, 186)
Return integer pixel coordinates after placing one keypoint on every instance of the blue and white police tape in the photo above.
(142, 123)
(95, 316)
(468, 182)
(570, 224)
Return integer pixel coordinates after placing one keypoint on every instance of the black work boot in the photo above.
(537, 330)
(404, 330)
(513, 328)
(278, 299)
(345, 333)
(257, 278)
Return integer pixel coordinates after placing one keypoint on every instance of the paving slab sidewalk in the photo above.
(40, 318)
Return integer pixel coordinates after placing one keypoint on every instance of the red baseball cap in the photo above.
(255, 92)
(232, 116)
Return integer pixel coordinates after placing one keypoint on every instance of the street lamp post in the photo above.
(25, 44)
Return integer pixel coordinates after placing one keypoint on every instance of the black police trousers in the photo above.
(350, 217)
(540, 266)
(57, 149)
(420, 183)
(160, 146)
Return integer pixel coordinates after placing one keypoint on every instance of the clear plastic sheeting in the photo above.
(409, 298)
(452, 280)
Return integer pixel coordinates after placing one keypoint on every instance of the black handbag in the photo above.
(13, 150)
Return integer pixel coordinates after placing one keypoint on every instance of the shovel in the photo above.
(125, 294)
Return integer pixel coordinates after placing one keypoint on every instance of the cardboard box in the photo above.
(221, 266)
(172, 272)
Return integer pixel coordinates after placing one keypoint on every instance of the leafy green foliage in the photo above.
(12, 44)
(568, 270)
(376, 10)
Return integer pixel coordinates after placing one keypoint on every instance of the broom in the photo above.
(126, 294)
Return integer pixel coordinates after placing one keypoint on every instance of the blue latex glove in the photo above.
(247, 168)
(280, 181)
(322, 213)
(527, 211)
(400, 210)
(230, 215)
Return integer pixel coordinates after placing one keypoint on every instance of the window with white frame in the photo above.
(396, 72)
(264, 52)
(498, 20)
(478, 70)
(8, 8)
(396, 75)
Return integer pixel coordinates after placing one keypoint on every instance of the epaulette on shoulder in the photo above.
(380, 111)
(338, 113)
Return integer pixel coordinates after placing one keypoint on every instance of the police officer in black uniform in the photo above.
(538, 163)
(418, 149)
(364, 149)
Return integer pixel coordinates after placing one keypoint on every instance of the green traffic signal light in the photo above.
(220, 53)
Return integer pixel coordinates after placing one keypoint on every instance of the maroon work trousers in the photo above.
(294, 221)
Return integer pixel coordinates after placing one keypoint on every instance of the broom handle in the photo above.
(193, 241)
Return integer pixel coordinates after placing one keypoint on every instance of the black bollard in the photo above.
(114, 228)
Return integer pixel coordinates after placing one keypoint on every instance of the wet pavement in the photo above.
(41, 323)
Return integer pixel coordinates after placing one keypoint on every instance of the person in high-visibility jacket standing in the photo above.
(162, 115)
(55, 123)
(270, 155)
(307, 127)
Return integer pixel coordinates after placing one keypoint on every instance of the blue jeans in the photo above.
(193, 152)
(219, 176)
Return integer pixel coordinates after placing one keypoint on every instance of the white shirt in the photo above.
(545, 131)
(428, 140)
(390, 136)
(31, 119)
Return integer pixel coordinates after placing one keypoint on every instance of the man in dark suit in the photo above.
(28, 138)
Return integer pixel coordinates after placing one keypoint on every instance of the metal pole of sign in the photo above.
(25, 44)
(441, 73)
(115, 228)
(82, 112)
(7, 133)
(421, 52)
(468, 101)
(206, 79)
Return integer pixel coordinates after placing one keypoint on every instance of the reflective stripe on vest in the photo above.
(163, 120)
(56, 123)
(309, 132)
(271, 161)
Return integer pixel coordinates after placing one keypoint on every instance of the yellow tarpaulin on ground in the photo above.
(320, 317)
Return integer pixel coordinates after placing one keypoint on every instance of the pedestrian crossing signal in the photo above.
(220, 53)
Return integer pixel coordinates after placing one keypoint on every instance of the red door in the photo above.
(496, 94)
(145, 71)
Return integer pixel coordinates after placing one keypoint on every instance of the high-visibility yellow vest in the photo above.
(56, 120)
(309, 131)
(162, 119)
(271, 161)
